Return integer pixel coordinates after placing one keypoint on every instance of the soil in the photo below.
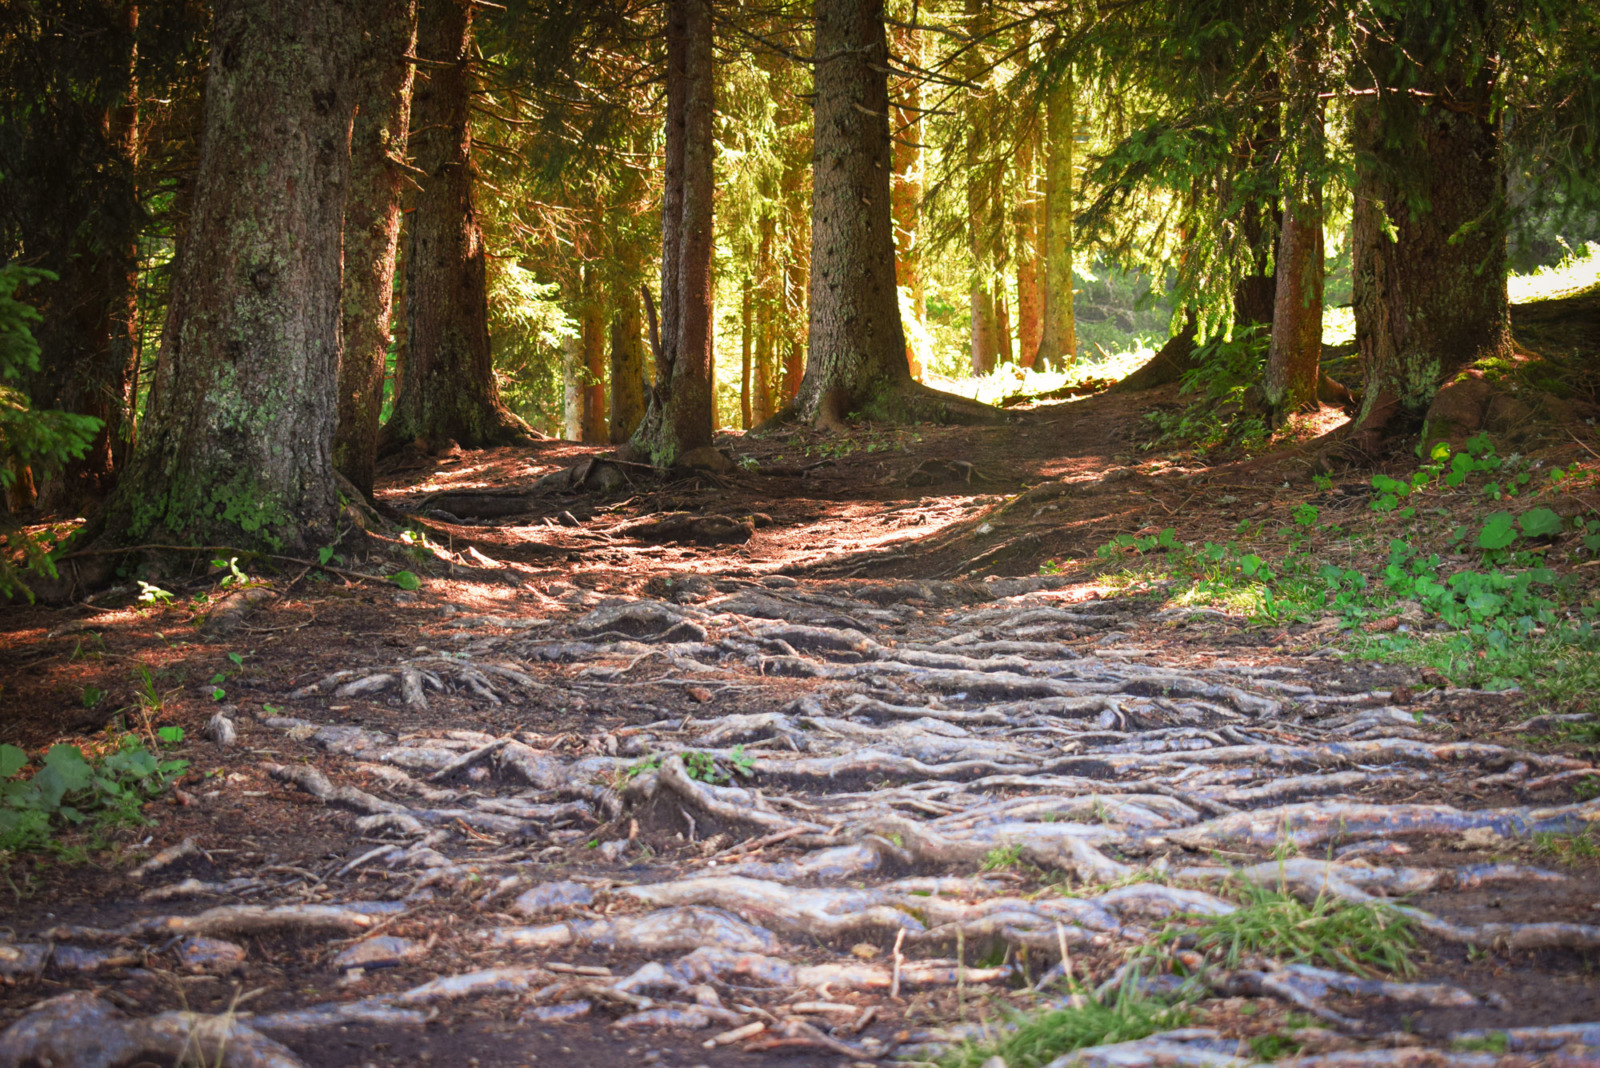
(893, 534)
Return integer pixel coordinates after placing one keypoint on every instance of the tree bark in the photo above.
(981, 187)
(73, 201)
(1294, 354)
(627, 363)
(767, 300)
(746, 343)
(680, 413)
(449, 391)
(593, 321)
(905, 190)
(1429, 237)
(857, 357)
(372, 234)
(1030, 326)
(1058, 340)
(796, 276)
(236, 449)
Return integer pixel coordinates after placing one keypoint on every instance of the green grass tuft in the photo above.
(1363, 938)
(1040, 1038)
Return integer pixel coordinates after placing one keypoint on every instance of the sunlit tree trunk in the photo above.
(1029, 295)
(796, 278)
(857, 346)
(372, 233)
(905, 191)
(767, 298)
(236, 449)
(680, 413)
(980, 188)
(1294, 357)
(746, 343)
(592, 318)
(448, 392)
(1058, 339)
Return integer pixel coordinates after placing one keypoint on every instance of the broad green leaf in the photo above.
(1540, 523)
(406, 580)
(12, 760)
(1498, 532)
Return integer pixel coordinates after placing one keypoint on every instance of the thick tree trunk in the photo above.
(1030, 298)
(236, 449)
(1058, 340)
(592, 318)
(680, 414)
(1429, 243)
(905, 191)
(1170, 363)
(78, 216)
(627, 364)
(796, 276)
(1294, 357)
(857, 346)
(449, 391)
(372, 233)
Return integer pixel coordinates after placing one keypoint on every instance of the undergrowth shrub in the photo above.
(29, 439)
(67, 788)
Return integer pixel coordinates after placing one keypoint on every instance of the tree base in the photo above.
(1175, 359)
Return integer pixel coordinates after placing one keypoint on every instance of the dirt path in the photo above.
(588, 798)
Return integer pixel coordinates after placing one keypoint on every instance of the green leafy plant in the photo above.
(30, 438)
(406, 580)
(703, 767)
(68, 788)
(234, 576)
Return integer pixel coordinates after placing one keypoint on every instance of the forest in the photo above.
(990, 533)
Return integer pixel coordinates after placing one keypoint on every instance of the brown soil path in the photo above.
(836, 778)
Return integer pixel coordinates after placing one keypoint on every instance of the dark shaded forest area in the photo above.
(978, 533)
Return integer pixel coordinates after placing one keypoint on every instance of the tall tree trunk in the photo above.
(680, 414)
(79, 218)
(981, 187)
(796, 278)
(1429, 236)
(1002, 321)
(746, 344)
(857, 351)
(905, 191)
(767, 298)
(572, 359)
(593, 320)
(1260, 221)
(627, 363)
(236, 449)
(1058, 339)
(1294, 355)
(1029, 295)
(449, 391)
(372, 233)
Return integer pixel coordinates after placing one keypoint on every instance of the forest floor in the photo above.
(862, 750)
